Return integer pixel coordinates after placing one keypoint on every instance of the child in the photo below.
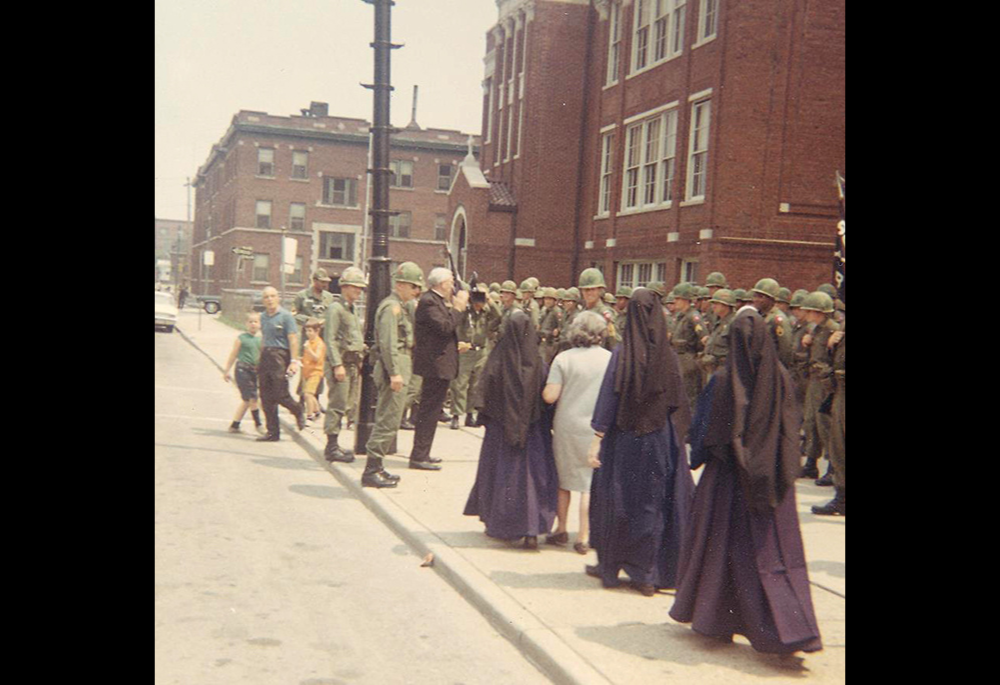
(246, 354)
(313, 355)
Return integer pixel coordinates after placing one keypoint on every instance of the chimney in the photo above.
(413, 125)
(319, 109)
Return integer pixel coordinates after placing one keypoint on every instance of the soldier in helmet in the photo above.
(783, 301)
(717, 341)
(313, 301)
(345, 347)
(836, 449)
(799, 369)
(528, 303)
(549, 323)
(592, 287)
(622, 297)
(392, 366)
(508, 301)
(818, 306)
(571, 307)
(715, 281)
(473, 343)
(705, 308)
(742, 296)
(764, 295)
(686, 337)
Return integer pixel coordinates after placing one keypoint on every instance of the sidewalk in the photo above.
(562, 619)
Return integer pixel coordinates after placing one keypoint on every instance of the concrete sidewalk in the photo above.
(572, 628)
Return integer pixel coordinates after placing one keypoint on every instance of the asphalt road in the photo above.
(268, 571)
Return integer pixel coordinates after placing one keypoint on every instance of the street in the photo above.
(275, 567)
(267, 571)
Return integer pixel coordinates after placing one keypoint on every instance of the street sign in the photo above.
(243, 251)
(208, 257)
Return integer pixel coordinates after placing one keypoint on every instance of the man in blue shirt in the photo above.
(279, 352)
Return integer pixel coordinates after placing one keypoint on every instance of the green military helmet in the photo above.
(561, 294)
(657, 287)
(767, 286)
(684, 291)
(550, 292)
(494, 287)
(703, 292)
(409, 272)
(527, 286)
(592, 278)
(724, 296)
(533, 281)
(784, 295)
(668, 298)
(508, 287)
(742, 295)
(609, 298)
(818, 302)
(798, 297)
(572, 294)
(716, 279)
(353, 276)
(624, 291)
(828, 289)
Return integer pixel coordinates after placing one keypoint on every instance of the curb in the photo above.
(534, 639)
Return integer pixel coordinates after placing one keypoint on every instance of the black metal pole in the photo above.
(379, 285)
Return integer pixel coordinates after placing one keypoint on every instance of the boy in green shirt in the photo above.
(246, 355)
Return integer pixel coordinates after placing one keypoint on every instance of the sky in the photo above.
(216, 57)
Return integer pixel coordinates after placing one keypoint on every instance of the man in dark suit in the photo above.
(435, 358)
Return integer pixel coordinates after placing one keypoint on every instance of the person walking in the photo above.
(516, 489)
(391, 371)
(573, 383)
(742, 568)
(641, 490)
(435, 358)
(246, 355)
(279, 361)
(817, 308)
(345, 347)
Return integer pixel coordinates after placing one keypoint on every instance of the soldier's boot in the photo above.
(375, 476)
(333, 452)
(834, 507)
(407, 424)
(469, 421)
(809, 470)
(827, 479)
(454, 422)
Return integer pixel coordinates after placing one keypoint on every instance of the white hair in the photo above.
(438, 275)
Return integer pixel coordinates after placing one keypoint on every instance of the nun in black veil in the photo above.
(517, 487)
(743, 568)
(642, 486)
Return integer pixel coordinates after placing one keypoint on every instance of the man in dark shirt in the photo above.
(279, 359)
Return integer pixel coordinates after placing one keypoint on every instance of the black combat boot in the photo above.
(470, 421)
(827, 479)
(809, 470)
(454, 422)
(333, 452)
(406, 424)
(834, 507)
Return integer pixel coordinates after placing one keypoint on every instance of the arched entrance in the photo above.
(458, 241)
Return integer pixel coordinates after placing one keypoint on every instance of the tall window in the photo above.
(640, 274)
(402, 174)
(334, 245)
(659, 31)
(607, 161)
(263, 214)
(698, 150)
(340, 191)
(630, 195)
(614, 44)
(297, 216)
(300, 164)
(440, 227)
(650, 161)
(641, 38)
(265, 161)
(444, 176)
(261, 267)
(649, 164)
(668, 165)
(708, 20)
(296, 276)
(399, 225)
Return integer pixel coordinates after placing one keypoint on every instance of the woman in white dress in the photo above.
(575, 381)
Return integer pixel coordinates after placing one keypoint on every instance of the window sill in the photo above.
(598, 217)
(266, 178)
(693, 201)
(408, 189)
(706, 41)
(609, 86)
(352, 207)
(645, 210)
(298, 180)
(653, 65)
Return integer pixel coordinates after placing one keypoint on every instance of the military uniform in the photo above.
(474, 329)
(416, 384)
(593, 278)
(686, 339)
(308, 304)
(345, 347)
(716, 348)
(548, 339)
(781, 330)
(815, 424)
(836, 445)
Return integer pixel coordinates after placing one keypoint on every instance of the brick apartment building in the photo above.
(305, 177)
(657, 140)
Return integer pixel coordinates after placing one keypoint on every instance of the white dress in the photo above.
(579, 370)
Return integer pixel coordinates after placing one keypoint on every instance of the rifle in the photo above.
(458, 282)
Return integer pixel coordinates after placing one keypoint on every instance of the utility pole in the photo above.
(379, 285)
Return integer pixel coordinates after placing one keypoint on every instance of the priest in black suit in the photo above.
(435, 358)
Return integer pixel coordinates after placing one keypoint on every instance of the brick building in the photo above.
(172, 251)
(305, 177)
(657, 140)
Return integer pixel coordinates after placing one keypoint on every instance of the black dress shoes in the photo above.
(376, 479)
(531, 542)
(425, 464)
(268, 437)
(300, 420)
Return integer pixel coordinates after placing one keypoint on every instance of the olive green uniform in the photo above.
(532, 309)
(613, 336)
(815, 424)
(781, 328)
(416, 382)
(686, 339)
(345, 346)
(473, 329)
(308, 305)
(548, 339)
(836, 445)
(716, 347)
(799, 369)
(392, 357)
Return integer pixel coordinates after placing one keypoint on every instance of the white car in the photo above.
(166, 311)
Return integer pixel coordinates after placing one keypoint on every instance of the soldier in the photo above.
(686, 338)
(817, 307)
(416, 384)
(836, 445)
(551, 321)
(473, 341)
(592, 287)
(528, 303)
(391, 370)
(765, 294)
(717, 342)
(571, 307)
(622, 296)
(742, 297)
(704, 307)
(783, 301)
(313, 302)
(799, 369)
(715, 281)
(345, 346)
(508, 300)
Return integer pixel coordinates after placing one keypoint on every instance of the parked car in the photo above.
(211, 303)
(166, 311)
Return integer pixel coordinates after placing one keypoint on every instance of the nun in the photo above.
(516, 488)
(743, 568)
(642, 487)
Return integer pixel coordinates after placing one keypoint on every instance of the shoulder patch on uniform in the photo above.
(696, 318)
(396, 309)
(607, 315)
(779, 330)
